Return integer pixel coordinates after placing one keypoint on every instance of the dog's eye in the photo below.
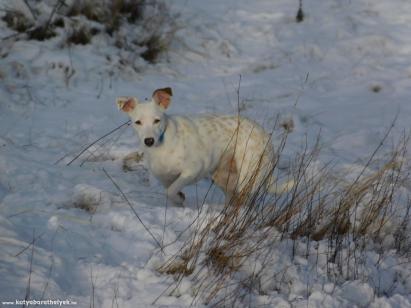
(138, 122)
(156, 121)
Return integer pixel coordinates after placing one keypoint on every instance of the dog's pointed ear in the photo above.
(126, 103)
(162, 97)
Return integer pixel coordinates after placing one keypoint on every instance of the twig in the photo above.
(112, 140)
(91, 144)
(11, 36)
(92, 288)
(19, 213)
(31, 244)
(238, 95)
(165, 221)
(115, 296)
(301, 90)
(33, 13)
(27, 297)
(51, 266)
(59, 4)
(132, 208)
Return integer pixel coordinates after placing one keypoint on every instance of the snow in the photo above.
(357, 293)
(72, 225)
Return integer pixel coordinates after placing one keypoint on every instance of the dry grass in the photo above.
(81, 36)
(142, 26)
(108, 12)
(17, 21)
(320, 207)
(152, 17)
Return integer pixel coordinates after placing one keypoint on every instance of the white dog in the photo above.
(233, 151)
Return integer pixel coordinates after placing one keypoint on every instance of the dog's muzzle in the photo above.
(149, 142)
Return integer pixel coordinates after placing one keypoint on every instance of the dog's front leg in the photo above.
(174, 190)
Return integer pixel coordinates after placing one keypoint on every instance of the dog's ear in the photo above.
(126, 103)
(162, 97)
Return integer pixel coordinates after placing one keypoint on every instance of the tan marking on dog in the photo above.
(226, 175)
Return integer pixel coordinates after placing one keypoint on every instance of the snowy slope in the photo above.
(323, 73)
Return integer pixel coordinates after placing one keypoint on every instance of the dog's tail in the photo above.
(277, 188)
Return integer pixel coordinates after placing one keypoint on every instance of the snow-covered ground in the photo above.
(344, 71)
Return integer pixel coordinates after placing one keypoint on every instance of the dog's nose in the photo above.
(149, 142)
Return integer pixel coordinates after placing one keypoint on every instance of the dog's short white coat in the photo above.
(233, 151)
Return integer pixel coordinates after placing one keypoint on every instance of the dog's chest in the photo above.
(165, 163)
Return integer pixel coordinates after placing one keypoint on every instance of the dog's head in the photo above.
(148, 118)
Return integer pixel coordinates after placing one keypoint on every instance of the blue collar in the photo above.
(161, 138)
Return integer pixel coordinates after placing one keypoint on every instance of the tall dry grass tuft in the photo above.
(320, 207)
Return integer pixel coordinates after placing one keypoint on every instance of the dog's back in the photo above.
(236, 149)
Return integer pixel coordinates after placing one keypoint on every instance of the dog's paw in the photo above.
(178, 199)
(132, 161)
(182, 195)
